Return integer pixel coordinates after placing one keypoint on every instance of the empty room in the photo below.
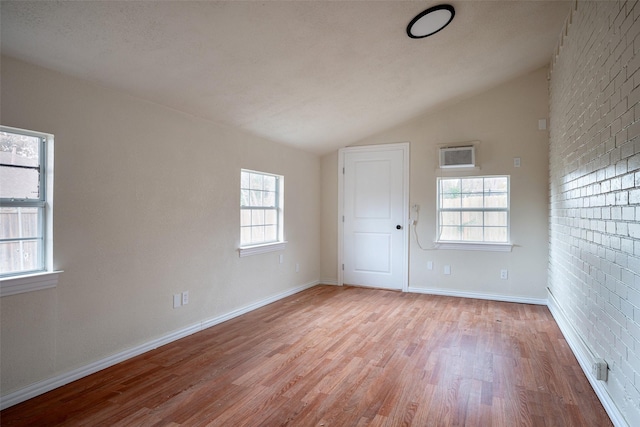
(320, 213)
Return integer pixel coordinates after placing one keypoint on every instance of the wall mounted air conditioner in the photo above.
(458, 157)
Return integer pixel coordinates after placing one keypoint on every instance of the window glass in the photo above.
(474, 209)
(260, 208)
(20, 166)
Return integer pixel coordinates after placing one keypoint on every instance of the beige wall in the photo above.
(505, 121)
(328, 239)
(594, 264)
(146, 206)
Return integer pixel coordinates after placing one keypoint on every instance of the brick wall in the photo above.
(594, 254)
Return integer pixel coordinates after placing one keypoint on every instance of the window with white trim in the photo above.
(23, 202)
(473, 210)
(261, 208)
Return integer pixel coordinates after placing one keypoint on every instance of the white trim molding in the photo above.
(42, 387)
(28, 282)
(585, 359)
(261, 249)
(467, 246)
(256, 305)
(477, 295)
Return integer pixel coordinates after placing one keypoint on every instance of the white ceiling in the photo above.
(313, 74)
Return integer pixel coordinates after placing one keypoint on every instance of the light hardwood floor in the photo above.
(343, 356)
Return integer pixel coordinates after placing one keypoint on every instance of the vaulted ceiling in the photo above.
(314, 74)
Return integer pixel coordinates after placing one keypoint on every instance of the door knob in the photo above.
(398, 227)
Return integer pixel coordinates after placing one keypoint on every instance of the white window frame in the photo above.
(271, 246)
(47, 277)
(474, 245)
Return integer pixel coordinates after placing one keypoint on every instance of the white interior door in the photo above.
(375, 199)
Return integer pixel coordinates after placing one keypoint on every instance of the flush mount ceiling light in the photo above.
(430, 21)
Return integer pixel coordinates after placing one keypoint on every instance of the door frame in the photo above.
(405, 147)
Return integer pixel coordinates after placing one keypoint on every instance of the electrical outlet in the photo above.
(542, 124)
(429, 265)
(297, 268)
(185, 298)
(281, 258)
(599, 369)
(447, 269)
(504, 274)
(177, 300)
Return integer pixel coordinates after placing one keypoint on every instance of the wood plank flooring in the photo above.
(342, 356)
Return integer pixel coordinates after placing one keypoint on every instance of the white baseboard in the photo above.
(246, 309)
(585, 359)
(329, 282)
(476, 295)
(41, 387)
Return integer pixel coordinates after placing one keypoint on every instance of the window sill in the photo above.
(261, 249)
(470, 246)
(28, 283)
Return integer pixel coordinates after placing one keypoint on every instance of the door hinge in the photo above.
(342, 218)
(342, 171)
(342, 267)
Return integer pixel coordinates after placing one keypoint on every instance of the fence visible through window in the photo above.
(473, 209)
(22, 202)
(260, 208)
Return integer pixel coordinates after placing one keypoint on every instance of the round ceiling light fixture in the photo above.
(430, 21)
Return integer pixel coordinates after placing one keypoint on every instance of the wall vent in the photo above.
(458, 157)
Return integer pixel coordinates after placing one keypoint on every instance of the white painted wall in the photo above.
(146, 205)
(505, 120)
(594, 264)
